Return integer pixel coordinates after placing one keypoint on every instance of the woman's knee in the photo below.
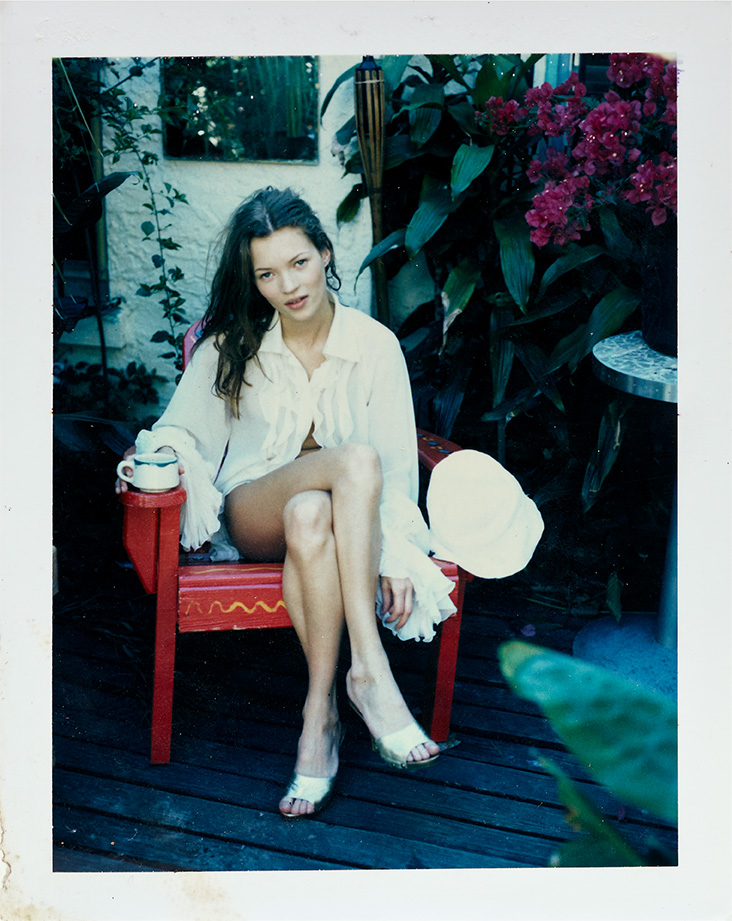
(360, 468)
(308, 521)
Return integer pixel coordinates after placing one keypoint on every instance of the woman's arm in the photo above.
(393, 433)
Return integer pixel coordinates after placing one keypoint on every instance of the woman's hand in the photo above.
(121, 486)
(398, 598)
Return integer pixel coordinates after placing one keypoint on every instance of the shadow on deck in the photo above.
(486, 803)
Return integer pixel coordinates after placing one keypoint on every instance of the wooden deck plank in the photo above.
(140, 846)
(514, 770)
(261, 786)
(341, 839)
(486, 803)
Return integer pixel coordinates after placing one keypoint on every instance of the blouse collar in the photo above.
(339, 344)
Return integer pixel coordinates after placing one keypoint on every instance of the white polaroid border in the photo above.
(699, 34)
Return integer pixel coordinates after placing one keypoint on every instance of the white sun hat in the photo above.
(480, 518)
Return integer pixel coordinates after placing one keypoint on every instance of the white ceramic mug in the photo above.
(150, 472)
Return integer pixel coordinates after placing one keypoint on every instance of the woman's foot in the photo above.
(317, 758)
(378, 700)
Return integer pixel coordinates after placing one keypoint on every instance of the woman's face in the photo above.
(289, 271)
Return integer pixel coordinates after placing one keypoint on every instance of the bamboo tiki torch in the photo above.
(369, 105)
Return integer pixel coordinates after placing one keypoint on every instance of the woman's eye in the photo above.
(301, 261)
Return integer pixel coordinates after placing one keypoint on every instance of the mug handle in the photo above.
(121, 466)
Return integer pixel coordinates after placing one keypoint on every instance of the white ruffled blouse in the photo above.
(360, 393)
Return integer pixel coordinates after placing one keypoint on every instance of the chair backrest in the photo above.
(191, 337)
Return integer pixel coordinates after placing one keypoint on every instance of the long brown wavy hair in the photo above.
(237, 315)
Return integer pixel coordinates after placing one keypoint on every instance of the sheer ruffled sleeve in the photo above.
(405, 536)
(196, 424)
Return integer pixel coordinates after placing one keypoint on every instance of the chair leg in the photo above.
(443, 678)
(165, 635)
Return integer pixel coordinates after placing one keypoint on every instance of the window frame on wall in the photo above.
(216, 116)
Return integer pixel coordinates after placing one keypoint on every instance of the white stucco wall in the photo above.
(213, 191)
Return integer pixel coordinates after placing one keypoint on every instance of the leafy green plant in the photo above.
(85, 101)
(507, 321)
(623, 734)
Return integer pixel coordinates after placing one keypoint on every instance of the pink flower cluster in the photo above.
(628, 69)
(605, 154)
(606, 134)
(554, 119)
(655, 186)
(500, 117)
(560, 212)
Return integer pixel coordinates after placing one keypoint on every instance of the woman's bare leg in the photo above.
(256, 518)
(315, 607)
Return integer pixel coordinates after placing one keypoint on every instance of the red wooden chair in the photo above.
(195, 596)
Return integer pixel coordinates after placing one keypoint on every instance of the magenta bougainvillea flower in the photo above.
(500, 117)
(620, 150)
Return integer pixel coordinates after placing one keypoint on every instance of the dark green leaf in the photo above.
(517, 258)
(157, 260)
(347, 131)
(351, 204)
(622, 732)
(393, 66)
(393, 241)
(469, 162)
(161, 336)
(605, 320)
(346, 75)
(513, 406)
(609, 440)
(617, 242)
(425, 112)
(434, 207)
(144, 291)
(502, 352)
(147, 227)
(458, 290)
(603, 847)
(87, 208)
(488, 83)
(537, 366)
(397, 150)
(464, 114)
(448, 62)
(572, 259)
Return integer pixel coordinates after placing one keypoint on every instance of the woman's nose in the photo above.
(288, 282)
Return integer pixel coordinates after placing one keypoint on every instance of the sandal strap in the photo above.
(312, 789)
(396, 746)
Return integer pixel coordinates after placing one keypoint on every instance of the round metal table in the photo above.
(640, 646)
(627, 363)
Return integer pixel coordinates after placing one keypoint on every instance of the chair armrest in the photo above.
(133, 499)
(152, 531)
(431, 449)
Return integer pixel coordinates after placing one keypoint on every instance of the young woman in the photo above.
(294, 428)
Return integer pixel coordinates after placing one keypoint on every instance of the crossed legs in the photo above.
(321, 515)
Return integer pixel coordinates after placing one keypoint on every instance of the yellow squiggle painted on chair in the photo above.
(232, 607)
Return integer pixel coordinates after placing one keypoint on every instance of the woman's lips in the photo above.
(297, 302)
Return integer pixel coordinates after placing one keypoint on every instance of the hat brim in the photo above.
(504, 542)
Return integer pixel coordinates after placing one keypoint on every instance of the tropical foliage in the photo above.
(622, 733)
(96, 123)
(523, 282)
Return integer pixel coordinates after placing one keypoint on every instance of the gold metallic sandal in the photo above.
(395, 747)
(315, 790)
